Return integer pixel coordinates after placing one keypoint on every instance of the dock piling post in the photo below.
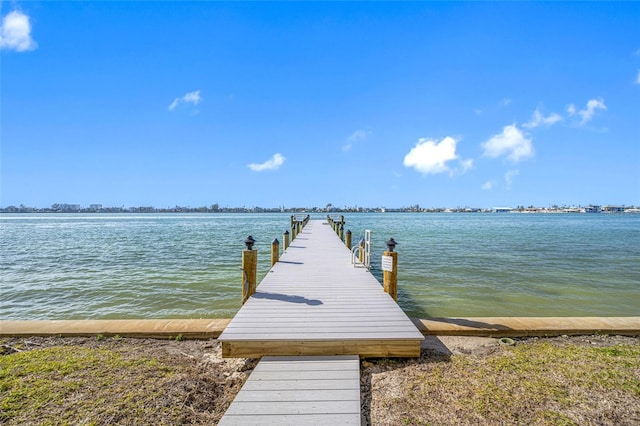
(286, 239)
(347, 241)
(275, 251)
(341, 232)
(249, 269)
(390, 270)
(361, 251)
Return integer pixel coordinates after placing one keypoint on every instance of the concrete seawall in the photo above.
(212, 328)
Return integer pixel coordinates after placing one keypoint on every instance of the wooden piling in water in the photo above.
(249, 269)
(286, 239)
(390, 270)
(275, 251)
(347, 240)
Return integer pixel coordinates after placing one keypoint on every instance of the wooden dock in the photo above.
(313, 301)
(303, 390)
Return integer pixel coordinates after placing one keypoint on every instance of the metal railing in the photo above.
(361, 253)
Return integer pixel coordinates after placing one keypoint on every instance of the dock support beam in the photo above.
(275, 251)
(390, 270)
(249, 269)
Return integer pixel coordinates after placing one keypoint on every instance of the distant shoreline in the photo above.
(98, 209)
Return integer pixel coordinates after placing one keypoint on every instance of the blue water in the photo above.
(78, 266)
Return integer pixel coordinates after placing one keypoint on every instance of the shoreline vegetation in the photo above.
(590, 379)
(328, 209)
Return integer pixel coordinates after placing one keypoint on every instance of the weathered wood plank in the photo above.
(294, 407)
(306, 324)
(323, 336)
(297, 420)
(306, 375)
(299, 385)
(306, 395)
(317, 331)
(319, 365)
(299, 395)
(365, 348)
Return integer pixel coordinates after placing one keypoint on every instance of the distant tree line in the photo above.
(329, 208)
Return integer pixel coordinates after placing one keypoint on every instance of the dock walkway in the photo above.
(313, 301)
(302, 390)
(312, 317)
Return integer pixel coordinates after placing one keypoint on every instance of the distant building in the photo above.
(592, 209)
(502, 209)
(613, 209)
(65, 207)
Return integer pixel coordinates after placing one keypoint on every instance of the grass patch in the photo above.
(67, 385)
(538, 383)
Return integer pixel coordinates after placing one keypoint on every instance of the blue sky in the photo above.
(304, 104)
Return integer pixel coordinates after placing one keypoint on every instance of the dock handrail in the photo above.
(366, 252)
(367, 249)
(355, 256)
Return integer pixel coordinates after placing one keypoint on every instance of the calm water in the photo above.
(188, 266)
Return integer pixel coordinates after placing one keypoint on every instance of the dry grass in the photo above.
(538, 382)
(116, 381)
(591, 380)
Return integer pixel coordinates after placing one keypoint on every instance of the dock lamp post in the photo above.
(275, 251)
(249, 242)
(390, 269)
(249, 269)
(391, 244)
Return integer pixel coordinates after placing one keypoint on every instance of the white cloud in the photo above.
(539, 120)
(466, 164)
(488, 185)
(508, 177)
(15, 33)
(272, 164)
(431, 157)
(357, 136)
(590, 110)
(189, 98)
(511, 143)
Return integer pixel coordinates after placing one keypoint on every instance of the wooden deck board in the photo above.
(299, 391)
(313, 315)
(314, 295)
